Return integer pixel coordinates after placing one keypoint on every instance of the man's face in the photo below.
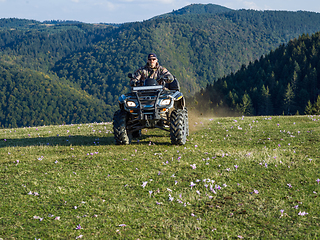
(152, 62)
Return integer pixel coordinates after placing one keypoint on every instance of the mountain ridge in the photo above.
(196, 9)
(197, 48)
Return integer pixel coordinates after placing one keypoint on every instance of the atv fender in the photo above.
(180, 104)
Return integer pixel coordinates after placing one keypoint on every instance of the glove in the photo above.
(170, 78)
(134, 82)
(161, 81)
(167, 78)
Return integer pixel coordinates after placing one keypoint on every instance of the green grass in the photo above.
(263, 170)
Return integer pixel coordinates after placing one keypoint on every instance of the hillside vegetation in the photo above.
(197, 49)
(285, 81)
(29, 98)
(244, 177)
(36, 45)
(199, 44)
(196, 9)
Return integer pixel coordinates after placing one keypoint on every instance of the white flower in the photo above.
(302, 213)
(170, 198)
(144, 184)
(193, 166)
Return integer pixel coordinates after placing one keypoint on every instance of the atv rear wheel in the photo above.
(121, 136)
(178, 126)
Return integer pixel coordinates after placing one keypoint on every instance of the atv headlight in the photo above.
(165, 102)
(131, 104)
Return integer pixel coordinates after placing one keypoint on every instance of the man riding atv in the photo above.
(155, 101)
(151, 70)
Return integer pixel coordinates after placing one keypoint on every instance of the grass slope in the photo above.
(250, 177)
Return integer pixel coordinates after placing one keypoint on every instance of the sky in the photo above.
(121, 11)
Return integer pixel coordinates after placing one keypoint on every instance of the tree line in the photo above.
(286, 81)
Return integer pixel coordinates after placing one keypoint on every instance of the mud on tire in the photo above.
(179, 128)
(121, 136)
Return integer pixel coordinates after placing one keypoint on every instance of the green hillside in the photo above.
(286, 81)
(199, 44)
(196, 9)
(29, 98)
(39, 46)
(197, 49)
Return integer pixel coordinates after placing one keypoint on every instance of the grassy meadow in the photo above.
(236, 178)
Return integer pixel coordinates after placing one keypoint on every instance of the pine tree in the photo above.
(288, 99)
(308, 109)
(316, 106)
(246, 105)
(266, 104)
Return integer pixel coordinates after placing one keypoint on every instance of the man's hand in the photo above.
(169, 78)
(166, 78)
(161, 81)
(134, 82)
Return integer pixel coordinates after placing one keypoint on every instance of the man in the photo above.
(151, 70)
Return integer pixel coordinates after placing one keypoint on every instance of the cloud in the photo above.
(166, 1)
(250, 5)
(242, 4)
(107, 5)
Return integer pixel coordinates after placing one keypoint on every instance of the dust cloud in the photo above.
(197, 117)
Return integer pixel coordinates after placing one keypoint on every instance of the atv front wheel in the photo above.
(121, 136)
(178, 126)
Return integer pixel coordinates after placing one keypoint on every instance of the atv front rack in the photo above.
(159, 87)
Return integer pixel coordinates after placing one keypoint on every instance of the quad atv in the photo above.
(151, 106)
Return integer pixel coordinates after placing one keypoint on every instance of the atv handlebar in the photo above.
(162, 80)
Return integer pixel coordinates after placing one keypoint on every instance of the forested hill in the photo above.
(197, 9)
(198, 44)
(285, 81)
(196, 48)
(36, 45)
(29, 98)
